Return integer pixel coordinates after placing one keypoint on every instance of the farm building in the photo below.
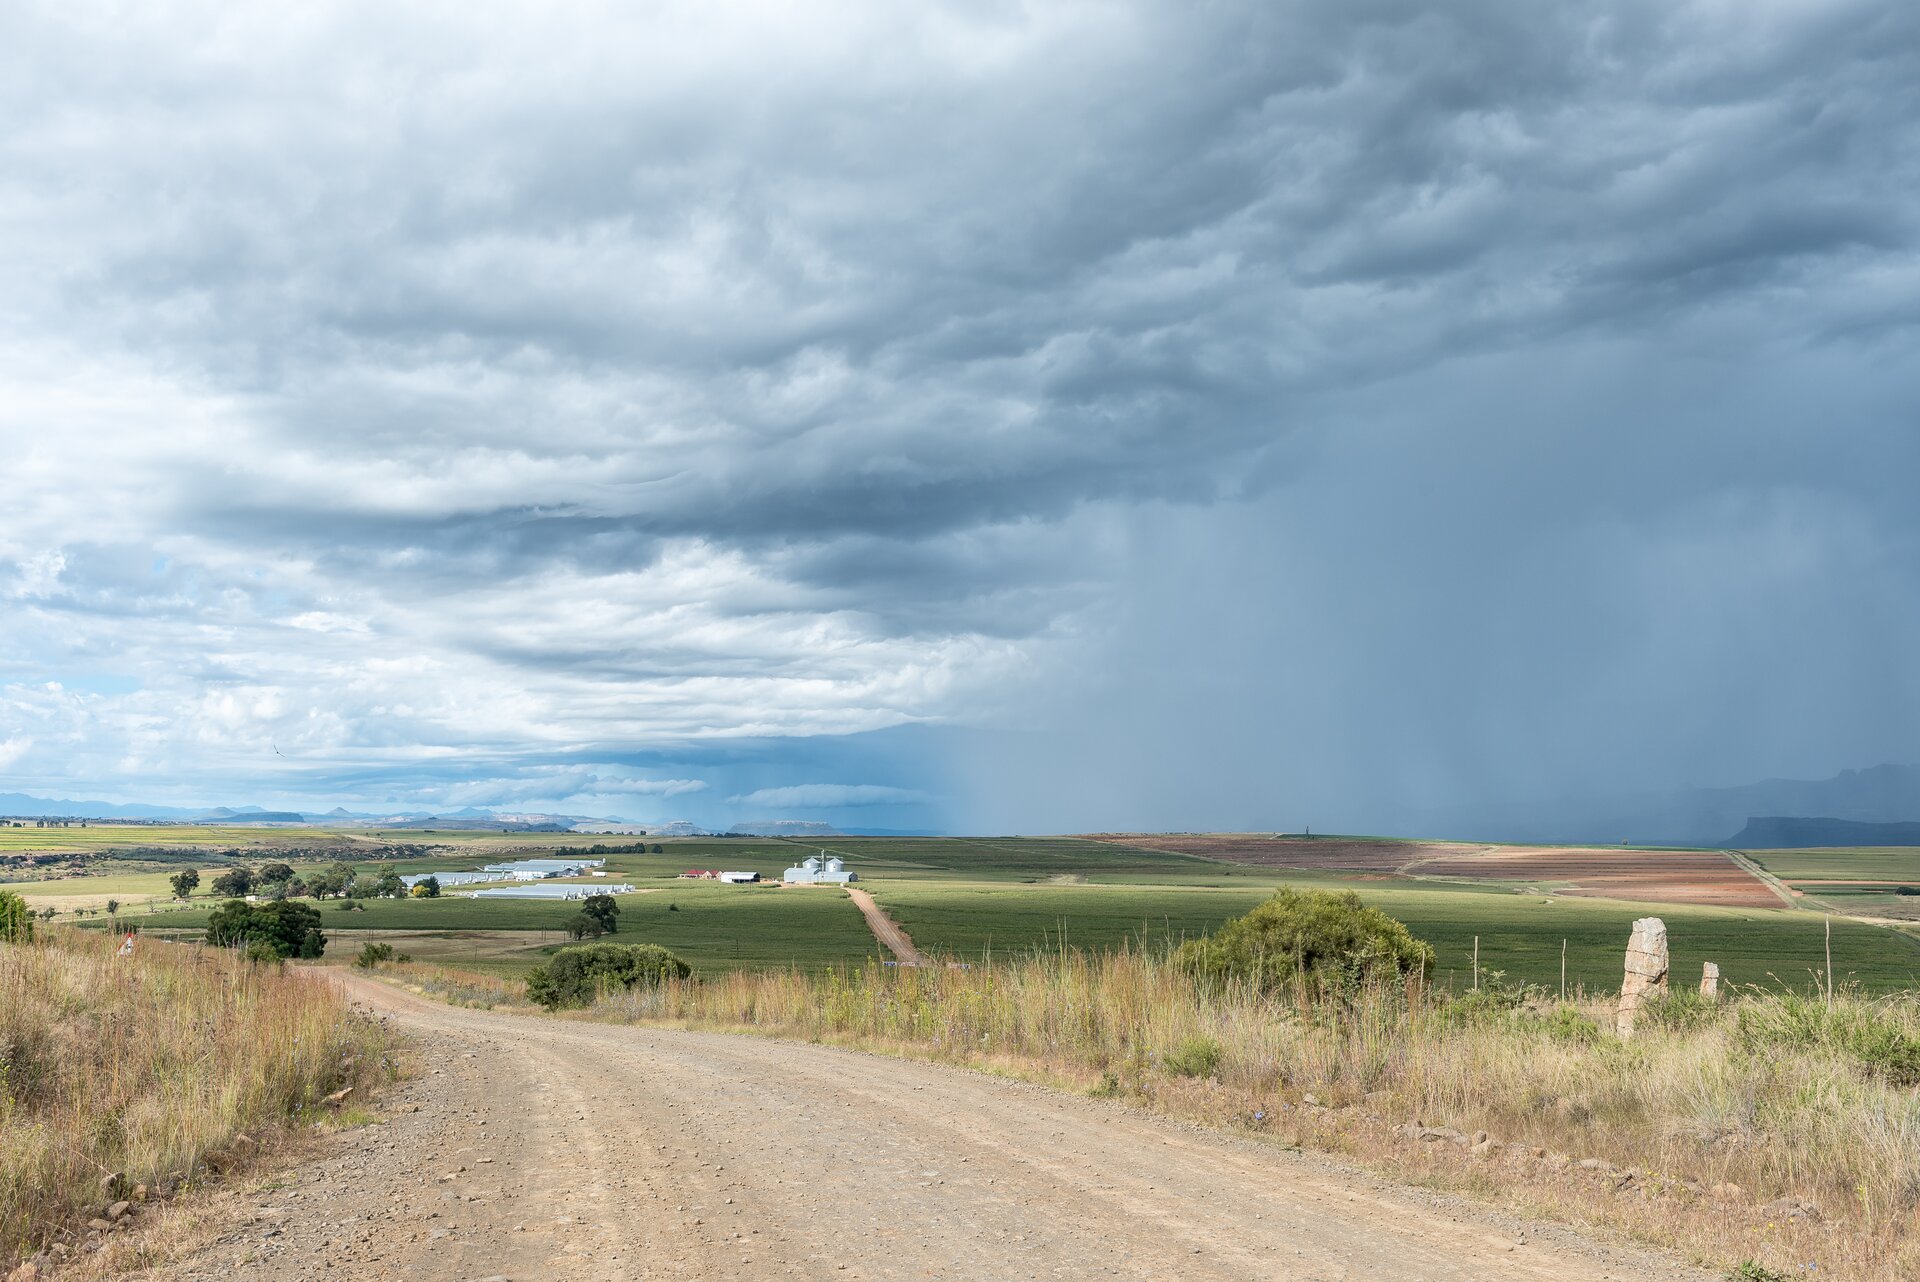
(448, 879)
(818, 870)
(740, 878)
(534, 890)
(541, 869)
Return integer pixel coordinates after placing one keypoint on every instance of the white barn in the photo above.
(820, 870)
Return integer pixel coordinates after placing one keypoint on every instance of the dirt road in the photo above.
(544, 1150)
(886, 929)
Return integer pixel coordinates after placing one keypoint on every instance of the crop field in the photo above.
(1518, 935)
(1648, 875)
(714, 927)
(966, 898)
(1899, 865)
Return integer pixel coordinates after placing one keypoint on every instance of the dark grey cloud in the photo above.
(508, 385)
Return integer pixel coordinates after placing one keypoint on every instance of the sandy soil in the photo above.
(886, 929)
(546, 1149)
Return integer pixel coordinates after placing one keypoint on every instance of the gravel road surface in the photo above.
(541, 1150)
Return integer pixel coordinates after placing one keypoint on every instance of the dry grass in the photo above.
(1766, 1097)
(150, 1068)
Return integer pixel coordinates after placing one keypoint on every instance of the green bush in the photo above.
(1679, 1012)
(1329, 939)
(16, 919)
(372, 955)
(1874, 1044)
(1194, 1057)
(576, 976)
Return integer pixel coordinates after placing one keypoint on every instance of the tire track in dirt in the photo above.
(886, 929)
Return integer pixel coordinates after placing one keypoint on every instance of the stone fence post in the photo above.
(1646, 971)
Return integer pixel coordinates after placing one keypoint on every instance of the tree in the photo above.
(584, 925)
(16, 919)
(1329, 939)
(602, 909)
(288, 928)
(268, 874)
(330, 881)
(233, 883)
(659, 849)
(427, 887)
(183, 883)
(113, 908)
(389, 886)
(577, 976)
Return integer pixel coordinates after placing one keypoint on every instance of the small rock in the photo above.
(1724, 1192)
(28, 1272)
(119, 1209)
(98, 1225)
(338, 1098)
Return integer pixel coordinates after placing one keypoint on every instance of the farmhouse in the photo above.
(820, 870)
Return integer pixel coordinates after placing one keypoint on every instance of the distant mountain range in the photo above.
(1691, 817)
(19, 805)
(1787, 832)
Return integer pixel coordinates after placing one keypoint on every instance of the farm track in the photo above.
(545, 1150)
(886, 929)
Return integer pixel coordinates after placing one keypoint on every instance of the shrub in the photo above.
(576, 976)
(16, 919)
(372, 955)
(1855, 1032)
(426, 888)
(259, 952)
(1194, 1057)
(1679, 1012)
(1329, 939)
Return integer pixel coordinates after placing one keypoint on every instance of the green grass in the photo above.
(715, 928)
(1860, 863)
(963, 895)
(1520, 935)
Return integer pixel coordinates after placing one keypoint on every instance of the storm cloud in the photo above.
(1200, 416)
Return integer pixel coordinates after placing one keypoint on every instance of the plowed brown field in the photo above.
(1333, 854)
(1654, 876)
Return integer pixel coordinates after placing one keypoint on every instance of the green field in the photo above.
(1519, 935)
(966, 897)
(714, 927)
(1857, 863)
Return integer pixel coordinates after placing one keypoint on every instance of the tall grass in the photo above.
(149, 1067)
(1718, 1110)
